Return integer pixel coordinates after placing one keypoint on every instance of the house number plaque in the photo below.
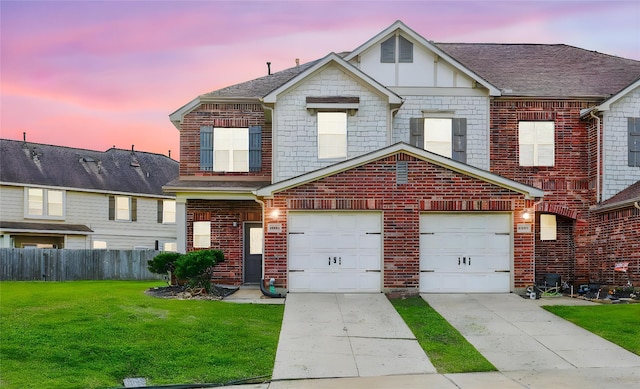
(524, 228)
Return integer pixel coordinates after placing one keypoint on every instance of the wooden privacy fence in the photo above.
(74, 265)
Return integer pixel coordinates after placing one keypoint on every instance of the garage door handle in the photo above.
(372, 271)
(502, 271)
(427, 271)
(296, 270)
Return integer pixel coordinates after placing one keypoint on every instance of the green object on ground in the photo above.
(93, 334)
(447, 349)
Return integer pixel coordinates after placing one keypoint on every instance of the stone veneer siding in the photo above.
(618, 175)
(474, 108)
(296, 135)
(430, 188)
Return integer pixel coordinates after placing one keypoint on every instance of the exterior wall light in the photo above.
(275, 213)
(526, 215)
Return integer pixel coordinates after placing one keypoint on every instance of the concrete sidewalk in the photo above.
(515, 334)
(345, 335)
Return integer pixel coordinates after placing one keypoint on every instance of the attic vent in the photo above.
(402, 172)
(135, 163)
(88, 159)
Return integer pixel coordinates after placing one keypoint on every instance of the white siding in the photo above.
(295, 134)
(618, 175)
(424, 71)
(474, 108)
(92, 210)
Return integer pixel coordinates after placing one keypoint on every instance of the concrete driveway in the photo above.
(515, 334)
(345, 335)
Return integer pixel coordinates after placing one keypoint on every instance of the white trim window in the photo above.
(231, 150)
(44, 203)
(437, 136)
(170, 246)
(123, 208)
(332, 135)
(536, 141)
(201, 235)
(548, 227)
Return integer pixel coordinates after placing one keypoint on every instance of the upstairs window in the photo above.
(388, 50)
(123, 208)
(332, 135)
(443, 136)
(166, 211)
(45, 203)
(536, 142)
(225, 149)
(634, 142)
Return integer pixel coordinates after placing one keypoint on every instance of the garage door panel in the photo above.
(466, 252)
(352, 238)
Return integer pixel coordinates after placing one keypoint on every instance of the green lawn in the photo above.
(446, 348)
(94, 334)
(618, 323)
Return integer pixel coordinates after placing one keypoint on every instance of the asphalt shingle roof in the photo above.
(115, 170)
(631, 193)
(530, 70)
(543, 70)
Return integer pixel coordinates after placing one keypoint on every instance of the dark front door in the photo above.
(253, 235)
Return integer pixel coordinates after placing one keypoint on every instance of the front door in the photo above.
(253, 235)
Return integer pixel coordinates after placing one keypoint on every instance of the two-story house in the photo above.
(63, 197)
(403, 165)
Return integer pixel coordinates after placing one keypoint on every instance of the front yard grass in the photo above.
(94, 334)
(618, 323)
(447, 349)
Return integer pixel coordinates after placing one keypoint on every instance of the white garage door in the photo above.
(335, 252)
(465, 253)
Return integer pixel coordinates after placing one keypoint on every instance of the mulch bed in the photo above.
(182, 292)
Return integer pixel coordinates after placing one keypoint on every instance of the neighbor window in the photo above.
(123, 208)
(99, 244)
(634, 141)
(201, 234)
(170, 246)
(166, 211)
(443, 136)
(45, 203)
(548, 230)
(332, 135)
(225, 149)
(536, 143)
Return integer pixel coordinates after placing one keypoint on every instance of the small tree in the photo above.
(164, 263)
(197, 268)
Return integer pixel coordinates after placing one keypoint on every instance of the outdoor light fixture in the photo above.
(275, 213)
(526, 215)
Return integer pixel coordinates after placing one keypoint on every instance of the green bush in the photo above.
(163, 263)
(197, 267)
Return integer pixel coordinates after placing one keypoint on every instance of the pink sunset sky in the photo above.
(92, 74)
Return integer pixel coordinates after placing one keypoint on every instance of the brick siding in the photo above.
(373, 187)
(221, 115)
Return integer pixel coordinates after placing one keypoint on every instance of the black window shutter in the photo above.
(459, 139)
(388, 50)
(112, 208)
(160, 211)
(406, 50)
(206, 148)
(634, 141)
(134, 209)
(416, 137)
(255, 148)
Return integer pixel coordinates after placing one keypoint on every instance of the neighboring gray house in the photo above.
(63, 197)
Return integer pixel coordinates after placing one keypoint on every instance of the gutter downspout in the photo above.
(597, 156)
(393, 112)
